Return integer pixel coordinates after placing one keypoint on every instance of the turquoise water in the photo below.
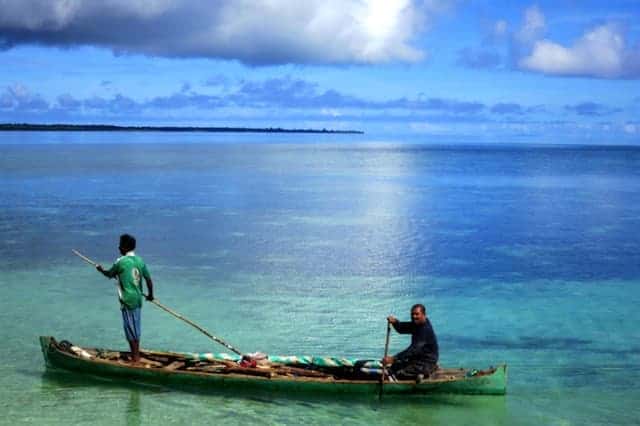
(296, 244)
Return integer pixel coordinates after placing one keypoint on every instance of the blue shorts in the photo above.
(131, 323)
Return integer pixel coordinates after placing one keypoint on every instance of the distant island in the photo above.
(113, 128)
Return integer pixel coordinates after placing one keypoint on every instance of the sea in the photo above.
(303, 244)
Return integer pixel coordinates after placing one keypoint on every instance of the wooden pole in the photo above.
(386, 352)
(174, 313)
(196, 326)
(85, 258)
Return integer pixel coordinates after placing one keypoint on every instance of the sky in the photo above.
(562, 71)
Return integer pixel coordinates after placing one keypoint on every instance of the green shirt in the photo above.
(130, 269)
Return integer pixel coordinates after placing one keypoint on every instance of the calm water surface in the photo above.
(303, 244)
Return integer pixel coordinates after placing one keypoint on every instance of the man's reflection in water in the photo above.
(133, 417)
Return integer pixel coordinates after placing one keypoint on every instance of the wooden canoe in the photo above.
(175, 368)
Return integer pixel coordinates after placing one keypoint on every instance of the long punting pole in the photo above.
(196, 326)
(172, 312)
(386, 352)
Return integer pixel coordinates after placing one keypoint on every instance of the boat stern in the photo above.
(494, 383)
(497, 385)
(46, 343)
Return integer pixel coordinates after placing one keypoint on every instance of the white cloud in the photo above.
(601, 52)
(630, 128)
(252, 31)
(533, 27)
(18, 97)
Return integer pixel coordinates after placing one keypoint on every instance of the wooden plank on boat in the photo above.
(109, 355)
(151, 363)
(301, 372)
(174, 365)
(217, 368)
(243, 371)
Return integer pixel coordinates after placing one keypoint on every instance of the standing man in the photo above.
(129, 270)
(420, 359)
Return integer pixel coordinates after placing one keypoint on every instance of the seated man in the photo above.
(420, 359)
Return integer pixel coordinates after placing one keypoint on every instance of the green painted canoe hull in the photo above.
(488, 384)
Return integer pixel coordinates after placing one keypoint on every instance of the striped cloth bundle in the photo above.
(292, 360)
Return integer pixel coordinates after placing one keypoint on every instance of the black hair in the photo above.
(127, 242)
(419, 306)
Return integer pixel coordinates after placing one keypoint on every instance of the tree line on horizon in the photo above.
(112, 127)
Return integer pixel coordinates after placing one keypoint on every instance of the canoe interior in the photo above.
(180, 368)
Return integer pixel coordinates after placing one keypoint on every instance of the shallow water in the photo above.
(297, 244)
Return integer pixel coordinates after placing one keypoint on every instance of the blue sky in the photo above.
(487, 71)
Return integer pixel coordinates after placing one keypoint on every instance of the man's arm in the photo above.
(149, 288)
(107, 273)
(400, 327)
(147, 278)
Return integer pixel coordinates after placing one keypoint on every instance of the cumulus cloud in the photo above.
(68, 102)
(119, 103)
(601, 52)
(18, 98)
(293, 93)
(521, 38)
(256, 32)
(533, 27)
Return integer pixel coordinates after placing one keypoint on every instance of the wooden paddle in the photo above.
(172, 312)
(386, 352)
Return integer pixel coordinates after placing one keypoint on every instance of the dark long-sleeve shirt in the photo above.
(424, 345)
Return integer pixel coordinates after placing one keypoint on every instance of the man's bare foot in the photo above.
(132, 359)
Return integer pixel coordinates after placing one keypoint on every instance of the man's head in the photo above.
(418, 314)
(127, 243)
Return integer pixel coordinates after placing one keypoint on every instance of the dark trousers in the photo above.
(407, 370)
